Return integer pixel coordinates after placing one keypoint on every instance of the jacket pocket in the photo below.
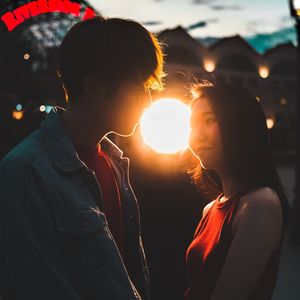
(82, 221)
(85, 240)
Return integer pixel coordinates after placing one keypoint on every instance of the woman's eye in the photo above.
(209, 121)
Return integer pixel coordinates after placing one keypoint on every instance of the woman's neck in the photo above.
(230, 186)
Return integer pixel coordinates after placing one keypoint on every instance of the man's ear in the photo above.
(92, 88)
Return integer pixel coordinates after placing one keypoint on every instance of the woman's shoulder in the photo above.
(259, 200)
(262, 207)
(207, 208)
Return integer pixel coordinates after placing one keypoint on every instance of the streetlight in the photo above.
(295, 8)
(295, 13)
(264, 72)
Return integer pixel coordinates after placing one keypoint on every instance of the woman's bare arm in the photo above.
(258, 232)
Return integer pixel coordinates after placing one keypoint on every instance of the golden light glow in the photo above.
(195, 93)
(283, 101)
(26, 56)
(165, 126)
(296, 4)
(209, 65)
(264, 72)
(270, 123)
(17, 115)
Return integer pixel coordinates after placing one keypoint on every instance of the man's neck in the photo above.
(80, 126)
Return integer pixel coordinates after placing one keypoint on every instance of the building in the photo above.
(270, 76)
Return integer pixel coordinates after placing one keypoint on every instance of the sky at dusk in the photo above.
(261, 21)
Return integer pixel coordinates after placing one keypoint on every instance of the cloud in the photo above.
(217, 6)
(152, 23)
(194, 1)
(197, 25)
(253, 25)
(201, 24)
(228, 7)
(202, 1)
(286, 21)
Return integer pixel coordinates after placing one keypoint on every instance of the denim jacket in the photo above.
(54, 238)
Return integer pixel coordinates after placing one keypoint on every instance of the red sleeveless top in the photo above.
(206, 254)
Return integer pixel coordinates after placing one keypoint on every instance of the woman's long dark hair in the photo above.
(245, 138)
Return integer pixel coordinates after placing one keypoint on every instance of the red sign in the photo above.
(14, 18)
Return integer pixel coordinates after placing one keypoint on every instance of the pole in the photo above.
(295, 234)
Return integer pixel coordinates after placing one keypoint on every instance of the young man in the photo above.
(69, 220)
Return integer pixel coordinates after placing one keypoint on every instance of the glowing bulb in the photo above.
(165, 126)
(264, 72)
(270, 123)
(26, 56)
(296, 4)
(283, 101)
(19, 107)
(42, 108)
(209, 66)
(17, 115)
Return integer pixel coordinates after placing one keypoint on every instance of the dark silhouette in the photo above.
(62, 217)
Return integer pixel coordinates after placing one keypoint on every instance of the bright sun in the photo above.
(165, 126)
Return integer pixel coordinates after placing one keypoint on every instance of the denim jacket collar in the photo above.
(61, 149)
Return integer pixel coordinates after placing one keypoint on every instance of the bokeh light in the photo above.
(283, 101)
(19, 107)
(165, 126)
(264, 72)
(270, 123)
(42, 108)
(209, 65)
(17, 115)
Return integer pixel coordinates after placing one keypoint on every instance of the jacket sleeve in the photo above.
(28, 268)
(65, 261)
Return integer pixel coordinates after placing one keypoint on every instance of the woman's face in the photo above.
(205, 139)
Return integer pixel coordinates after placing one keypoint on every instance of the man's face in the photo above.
(127, 107)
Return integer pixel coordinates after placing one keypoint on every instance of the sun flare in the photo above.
(165, 126)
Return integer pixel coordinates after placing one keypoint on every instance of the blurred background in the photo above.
(251, 43)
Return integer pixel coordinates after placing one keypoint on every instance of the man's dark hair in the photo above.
(115, 50)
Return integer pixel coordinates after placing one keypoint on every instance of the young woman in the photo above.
(236, 248)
